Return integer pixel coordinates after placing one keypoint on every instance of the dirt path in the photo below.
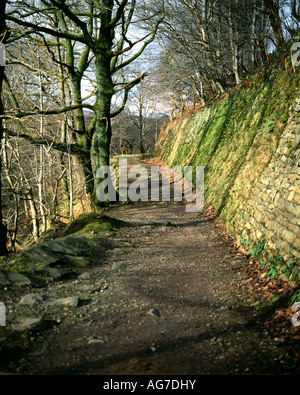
(173, 302)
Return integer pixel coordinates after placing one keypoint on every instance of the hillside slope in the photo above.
(248, 142)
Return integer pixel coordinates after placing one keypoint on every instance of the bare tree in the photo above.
(105, 29)
(296, 10)
(272, 7)
(4, 34)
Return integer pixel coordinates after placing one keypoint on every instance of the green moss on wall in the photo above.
(235, 137)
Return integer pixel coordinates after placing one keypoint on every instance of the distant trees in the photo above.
(3, 38)
(78, 35)
(55, 47)
(210, 45)
(34, 171)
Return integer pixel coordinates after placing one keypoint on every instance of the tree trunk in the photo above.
(295, 13)
(234, 39)
(78, 122)
(273, 10)
(141, 127)
(34, 216)
(3, 38)
(71, 216)
(85, 165)
(40, 179)
(41, 162)
(104, 94)
(253, 36)
(64, 94)
(29, 196)
(102, 132)
(6, 163)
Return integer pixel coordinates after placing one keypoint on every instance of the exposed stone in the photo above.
(18, 279)
(32, 299)
(4, 280)
(296, 244)
(97, 340)
(154, 313)
(53, 272)
(63, 250)
(276, 199)
(69, 301)
(295, 276)
(118, 266)
(26, 323)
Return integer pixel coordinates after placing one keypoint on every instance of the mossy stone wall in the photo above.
(248, 142)
(272, 214)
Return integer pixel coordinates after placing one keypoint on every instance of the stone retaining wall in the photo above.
(272, 214)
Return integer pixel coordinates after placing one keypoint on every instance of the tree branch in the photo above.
(74, 149)
(133, 82)
(295, 14)
(146, 43)
(127, 88)
(52, 32)
(119, 14)
(20, 114)
(60, 4)
(131, 45)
